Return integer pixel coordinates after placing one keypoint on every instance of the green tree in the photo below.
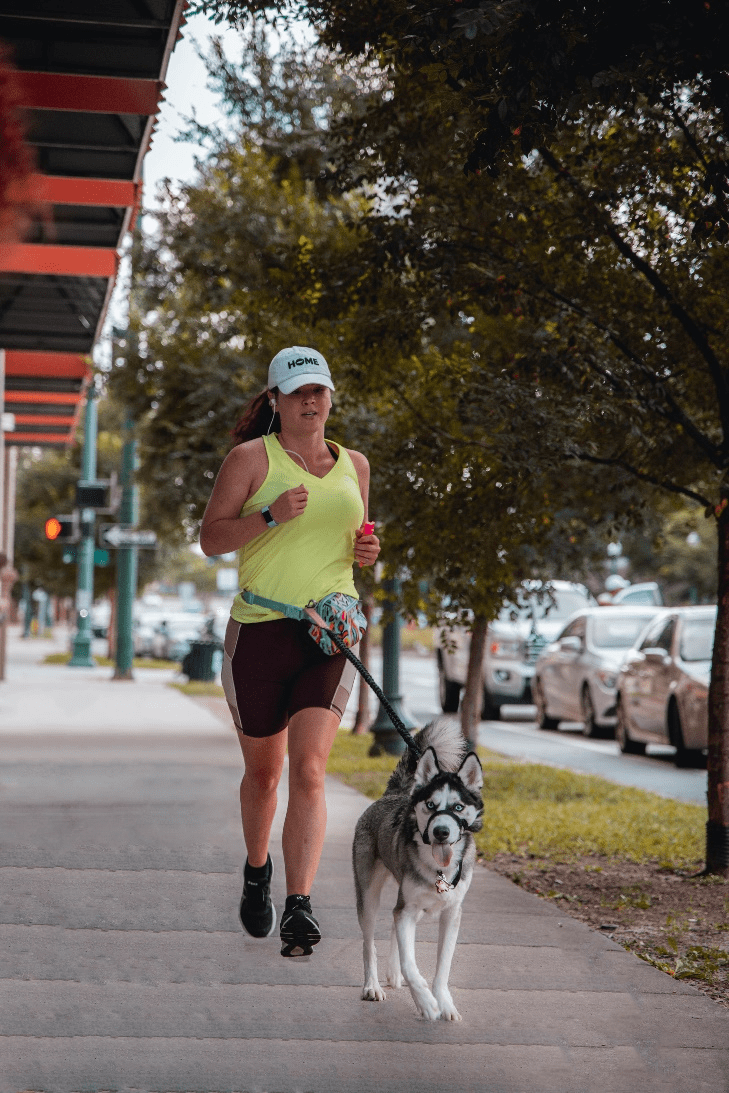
(609, 127)
(261, 250)
(520, 70)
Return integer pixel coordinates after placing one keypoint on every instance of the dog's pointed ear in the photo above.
(426, 769)
(471, 772)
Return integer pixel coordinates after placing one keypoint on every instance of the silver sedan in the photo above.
(575, 676)
(663, 688)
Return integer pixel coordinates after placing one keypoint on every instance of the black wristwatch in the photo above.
(266, 514)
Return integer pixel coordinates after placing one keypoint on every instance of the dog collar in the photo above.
(442, 885)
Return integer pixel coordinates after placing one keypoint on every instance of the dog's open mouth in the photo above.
(443, 852)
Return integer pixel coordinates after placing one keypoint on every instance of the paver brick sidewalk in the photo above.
(124, 967)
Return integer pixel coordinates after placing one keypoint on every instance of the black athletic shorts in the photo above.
(272, 670)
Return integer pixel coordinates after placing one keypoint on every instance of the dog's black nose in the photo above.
(441, 833)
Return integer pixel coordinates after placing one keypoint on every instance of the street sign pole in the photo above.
(81, 656)
(126, 565)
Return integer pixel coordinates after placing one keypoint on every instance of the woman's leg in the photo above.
(311, 734)
(263, 758)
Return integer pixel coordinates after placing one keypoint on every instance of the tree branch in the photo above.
(678, 416)
(664, 484)
(661, 289)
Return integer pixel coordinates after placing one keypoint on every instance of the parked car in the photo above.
(646, 592)
(663, 688)
(174, 634)
(513, 643)
(575, 677)
(145, 620)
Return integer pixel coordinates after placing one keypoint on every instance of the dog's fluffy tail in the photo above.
(445, 737)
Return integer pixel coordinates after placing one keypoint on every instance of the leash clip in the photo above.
(442, 885)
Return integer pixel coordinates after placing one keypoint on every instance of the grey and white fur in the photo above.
(420, 832)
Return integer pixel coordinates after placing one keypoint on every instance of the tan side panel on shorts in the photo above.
(226, 672)
(344, 690)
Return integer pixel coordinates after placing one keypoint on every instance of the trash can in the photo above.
(203, 661)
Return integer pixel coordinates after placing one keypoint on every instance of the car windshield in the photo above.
(697, 639)
(554, 605)
(617, 631)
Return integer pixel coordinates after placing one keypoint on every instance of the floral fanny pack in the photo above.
(337, 613)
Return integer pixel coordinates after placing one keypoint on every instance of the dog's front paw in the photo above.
(395, 979)
(373, 992)
(426, 1005)
(448, 1011)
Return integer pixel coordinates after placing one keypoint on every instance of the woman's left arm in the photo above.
(366, 547)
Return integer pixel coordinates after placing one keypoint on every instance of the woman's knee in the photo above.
(262, 781)
(307, 775)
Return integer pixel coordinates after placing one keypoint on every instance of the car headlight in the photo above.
(507, 647)
(608, 679)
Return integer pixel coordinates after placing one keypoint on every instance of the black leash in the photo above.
(407, 736)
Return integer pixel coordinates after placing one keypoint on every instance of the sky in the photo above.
(187, 92)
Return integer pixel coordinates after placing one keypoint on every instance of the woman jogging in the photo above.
(293, 504)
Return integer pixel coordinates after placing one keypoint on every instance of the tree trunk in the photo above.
(717, 828)
(472, 700)
(362, 720)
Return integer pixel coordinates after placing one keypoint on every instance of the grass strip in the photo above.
(198, 687)
(107, 662)
(537, 811)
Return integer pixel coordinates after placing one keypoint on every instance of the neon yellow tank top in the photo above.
(311, 556)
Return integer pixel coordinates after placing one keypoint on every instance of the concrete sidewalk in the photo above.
(124, 967)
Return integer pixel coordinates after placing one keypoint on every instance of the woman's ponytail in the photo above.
(257, 419)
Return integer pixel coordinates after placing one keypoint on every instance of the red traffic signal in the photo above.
(62, 529)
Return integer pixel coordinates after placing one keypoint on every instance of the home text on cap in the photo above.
(304, 360)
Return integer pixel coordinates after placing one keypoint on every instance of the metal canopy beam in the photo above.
(92, 94)
(63, 261)
(91, 80)
(58, 190)
(19, 363)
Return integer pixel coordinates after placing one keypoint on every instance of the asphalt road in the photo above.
(517, 735)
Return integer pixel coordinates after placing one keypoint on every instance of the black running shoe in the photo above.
(299, 929)
(257, 914)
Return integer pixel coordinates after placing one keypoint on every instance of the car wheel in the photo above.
(627, 745)
(490, 710)
(543, 720)
(449, 691)
(590, 726)
(684, 757)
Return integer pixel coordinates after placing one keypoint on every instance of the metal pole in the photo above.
(81, 656)
(126, 559)
(386, 737)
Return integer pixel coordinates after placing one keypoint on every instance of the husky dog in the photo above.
(420, 833)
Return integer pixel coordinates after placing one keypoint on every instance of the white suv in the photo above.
(513, 643)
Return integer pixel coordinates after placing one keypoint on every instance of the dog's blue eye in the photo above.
(430, 806)
(458, 808)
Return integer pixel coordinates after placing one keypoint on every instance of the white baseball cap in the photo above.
(293, 367)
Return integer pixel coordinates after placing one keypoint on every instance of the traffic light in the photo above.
(63, 529)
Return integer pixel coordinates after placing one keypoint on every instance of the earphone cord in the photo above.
(287, 450)
(299, 456)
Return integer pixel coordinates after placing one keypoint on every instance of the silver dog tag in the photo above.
(442, 885)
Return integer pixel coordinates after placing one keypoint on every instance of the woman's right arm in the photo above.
(223, 528)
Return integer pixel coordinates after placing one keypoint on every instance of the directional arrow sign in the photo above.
(121, 535)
